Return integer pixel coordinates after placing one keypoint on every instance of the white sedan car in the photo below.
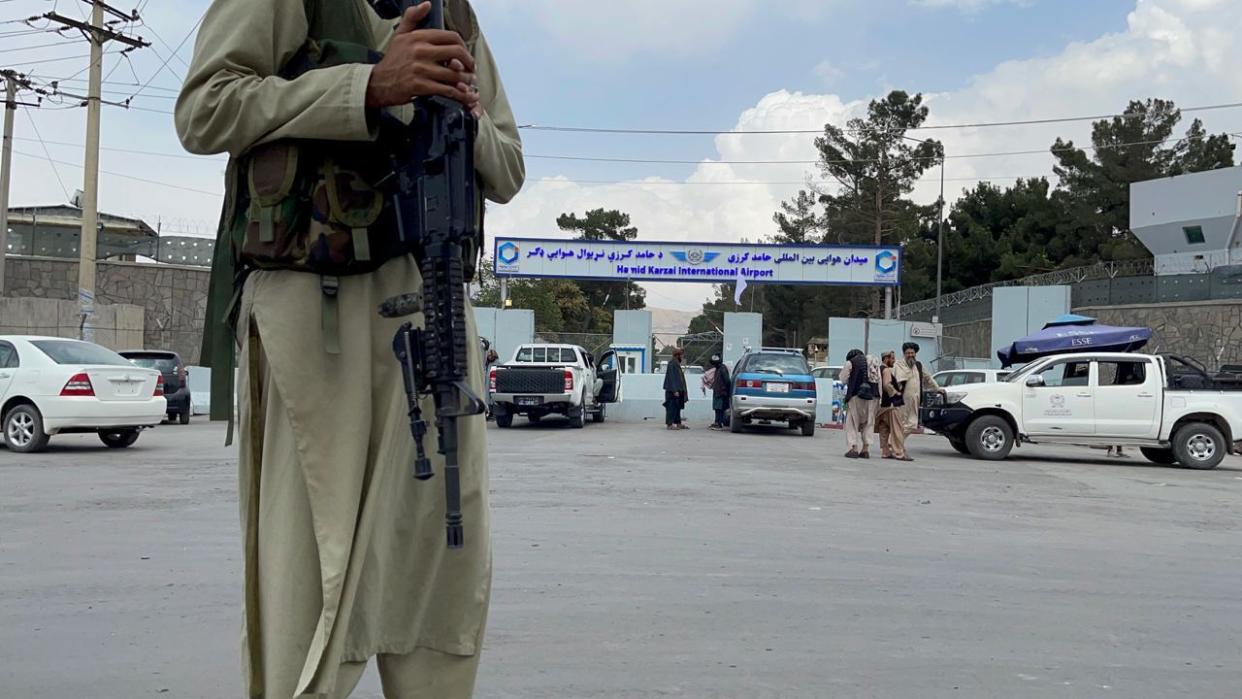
(967, 377)
(51, 385)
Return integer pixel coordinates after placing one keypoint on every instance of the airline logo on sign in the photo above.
(508, 257)
(695, 257)
(886, 266)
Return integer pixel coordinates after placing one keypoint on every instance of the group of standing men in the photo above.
(882, 397)
(716, 379)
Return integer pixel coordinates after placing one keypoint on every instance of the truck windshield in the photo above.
(547, 355)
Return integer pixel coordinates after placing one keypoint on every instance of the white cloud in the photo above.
(1170, 48)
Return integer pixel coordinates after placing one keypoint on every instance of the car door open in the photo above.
(609, 372)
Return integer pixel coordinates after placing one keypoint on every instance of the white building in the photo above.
(1192, 223)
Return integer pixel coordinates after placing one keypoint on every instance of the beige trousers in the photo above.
(345, 556)
(891, 432)
(860, 424)
(289, 620)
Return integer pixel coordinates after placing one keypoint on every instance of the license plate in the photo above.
(127, 389)
(529, 400)
(778, 388)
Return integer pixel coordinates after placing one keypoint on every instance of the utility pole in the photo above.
(12, 83)
(6, 162)
(940, 243)
(98, 35)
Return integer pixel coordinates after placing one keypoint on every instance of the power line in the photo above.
(124, 176)
(47, 154)
(158, 154)
(166, 60)
(36, 46)
(977, 125)
(122, 84)
(166, 44)
(931, 158)
(56, 60)
(1046, 151)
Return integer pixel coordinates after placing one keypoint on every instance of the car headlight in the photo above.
(954, 397)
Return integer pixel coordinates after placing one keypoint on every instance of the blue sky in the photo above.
(871, 47)
(715, 64)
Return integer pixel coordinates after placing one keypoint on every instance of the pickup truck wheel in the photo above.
(184, 417)
(1199, 445)
(577, 421)
(959, 446)
(736, 425)
(1159, 456)
(505, 421)
(599, 416)
(23, 430)
(119, 439)
(989, 438)
(808, 428)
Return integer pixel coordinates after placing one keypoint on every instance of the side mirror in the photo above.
(1036, 381)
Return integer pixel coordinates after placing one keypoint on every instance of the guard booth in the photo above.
(633, 360)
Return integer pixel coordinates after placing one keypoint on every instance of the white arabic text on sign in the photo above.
(698, 262)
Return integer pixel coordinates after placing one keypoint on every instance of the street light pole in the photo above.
(940, 243)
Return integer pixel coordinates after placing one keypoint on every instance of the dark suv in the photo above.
(176, 387)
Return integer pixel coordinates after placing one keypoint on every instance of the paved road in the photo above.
(634, 562)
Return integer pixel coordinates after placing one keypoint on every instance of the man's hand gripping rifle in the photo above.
(436, 204)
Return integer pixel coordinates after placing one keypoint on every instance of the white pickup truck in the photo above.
(544, 380)
(1167, 406)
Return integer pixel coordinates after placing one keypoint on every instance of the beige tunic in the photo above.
(909, 413)
(344, 552)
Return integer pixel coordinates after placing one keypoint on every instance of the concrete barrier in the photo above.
(116, 326)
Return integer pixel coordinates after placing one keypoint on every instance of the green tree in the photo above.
(605, 297)
(559, 305)
(1095, 189)
(875, 166)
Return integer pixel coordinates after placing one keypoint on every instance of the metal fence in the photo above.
(1111, 284)
(61, 241)
(1106, 271)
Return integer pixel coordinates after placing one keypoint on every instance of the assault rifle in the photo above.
(434, 194)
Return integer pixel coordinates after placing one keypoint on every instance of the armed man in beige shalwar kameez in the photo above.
(345, 557)
(911, 374)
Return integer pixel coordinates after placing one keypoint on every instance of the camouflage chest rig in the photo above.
(309, 206)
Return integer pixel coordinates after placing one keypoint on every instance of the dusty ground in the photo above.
(633, 562)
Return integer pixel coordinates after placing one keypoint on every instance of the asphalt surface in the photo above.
(635, 562)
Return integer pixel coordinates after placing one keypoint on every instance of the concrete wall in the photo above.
(173, 299)
(117, 326)
(741, 330)
(874, 337)
(1021, 310)
(1210, 331)
(633, 329)
(972, 339)
(506, 330)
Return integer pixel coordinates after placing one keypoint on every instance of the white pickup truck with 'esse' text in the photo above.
(1167, 406)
